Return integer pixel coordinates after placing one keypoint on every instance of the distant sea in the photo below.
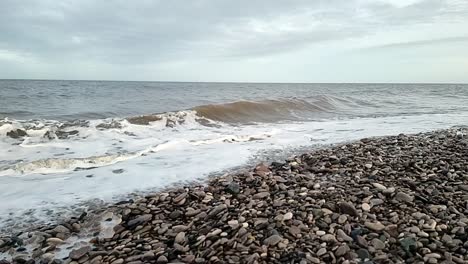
(83, 141)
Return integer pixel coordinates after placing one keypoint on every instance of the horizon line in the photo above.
(252, 82)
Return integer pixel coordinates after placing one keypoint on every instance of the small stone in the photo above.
(61, 229)
(162, 260)
(78, 253)
(392, 230)
(368, 165)
(403, 197)
(148, 256)
(54, 241)
(363, 254)
(320, 233)
(287, 216)
(180, 238)
(118, 261)
(366, 207)
(272, 240)
(261, 195)
(378, 244)
(379, 186)
(408, 244)
(341, 250)
(342, 236)
(375, 226)
(140, 220)
(233, 188)
(233, 224)
(342, 219)
(348, 208)
(321, 252)
(328, 238)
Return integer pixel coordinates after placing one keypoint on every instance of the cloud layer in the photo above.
(201, 40)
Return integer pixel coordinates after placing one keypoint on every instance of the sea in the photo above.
(67, 145)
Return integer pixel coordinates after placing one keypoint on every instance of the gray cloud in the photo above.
(125, 33)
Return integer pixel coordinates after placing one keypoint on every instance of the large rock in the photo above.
(17, 133)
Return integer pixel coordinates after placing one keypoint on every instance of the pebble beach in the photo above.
(394, 199)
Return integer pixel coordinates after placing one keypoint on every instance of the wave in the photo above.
(267, 110)
(210, 115)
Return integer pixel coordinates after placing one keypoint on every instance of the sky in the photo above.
(236, 41)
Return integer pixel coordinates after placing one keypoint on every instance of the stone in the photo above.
(233, 188)
(140, 220)
(180, 238)
(379, 186)
(408, 244)
(342, 250)
(342, 236)
(328, 238)
(342, 219)
(16, 134)
(54, 241)
(403, 197)
(375, 226)
(272, 240)
(377, 244)
(363, 254)
(287, 216)
(321, 252)
(261, 195)
(79, 253)
(366, 207)
(348, 208)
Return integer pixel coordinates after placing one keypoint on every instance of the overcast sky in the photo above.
(225, 40)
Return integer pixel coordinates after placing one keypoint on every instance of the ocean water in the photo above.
(101, 141)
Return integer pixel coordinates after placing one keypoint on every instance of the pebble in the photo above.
(375, 226)
(404, 197)
(366, 207)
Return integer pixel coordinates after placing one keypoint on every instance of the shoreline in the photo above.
(385, 199)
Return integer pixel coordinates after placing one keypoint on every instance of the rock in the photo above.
(18, 133)
(233, 188)
(408, 244)
(140, 220)
(342, 219)
(403, 197)
(272, 240)
(392, 230)
(328, 238)
(375, 226)
(341, 235)
(148, 256)
(180, 238)
(79, 253)
(162, 260)
(321, 252)
(348, 208)
(363, 254)
(118, 261)
(366, 207)
(261, 195)
(342, 250)
(378, 244)
(287, 216)
(379, 186)
(61, 229)
(54, 241)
